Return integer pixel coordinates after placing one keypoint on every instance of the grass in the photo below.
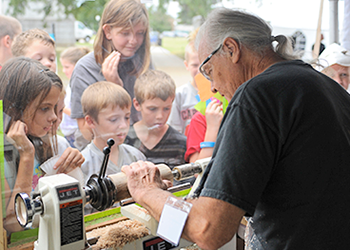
(176, 45)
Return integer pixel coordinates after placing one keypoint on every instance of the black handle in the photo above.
(106, 151)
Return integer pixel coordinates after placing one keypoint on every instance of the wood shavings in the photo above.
(118, 235)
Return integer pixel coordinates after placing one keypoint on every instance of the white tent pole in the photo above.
(345, 42)
(333, 22)
(316, 49)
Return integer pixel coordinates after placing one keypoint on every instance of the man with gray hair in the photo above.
(281, 157)
(9, 28)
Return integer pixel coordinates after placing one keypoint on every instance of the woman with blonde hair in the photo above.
(121, 53)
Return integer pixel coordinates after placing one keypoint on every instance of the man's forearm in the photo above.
(153, 201)
(209, 224)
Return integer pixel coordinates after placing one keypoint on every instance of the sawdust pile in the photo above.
(118, 235)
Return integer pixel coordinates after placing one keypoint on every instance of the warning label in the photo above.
(72, 221)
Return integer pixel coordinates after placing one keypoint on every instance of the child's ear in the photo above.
(90, 121)
(107, 30)
(137, 105)
(186, 64)
(7, 41)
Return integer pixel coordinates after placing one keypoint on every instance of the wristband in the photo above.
(207, 144)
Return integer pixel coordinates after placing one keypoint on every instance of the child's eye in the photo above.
(140, 33)
(166, 109)
(44, 109)
(125, 33)
(127, 117)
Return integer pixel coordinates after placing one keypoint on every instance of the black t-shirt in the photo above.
(283, 156)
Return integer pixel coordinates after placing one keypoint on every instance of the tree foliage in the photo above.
(192, 8)
(17, 7)
(86, 10)
(159, 20)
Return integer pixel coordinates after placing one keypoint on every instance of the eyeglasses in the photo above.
(201, 69)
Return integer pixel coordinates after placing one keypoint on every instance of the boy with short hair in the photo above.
(158, 141)
(107, 108)
(185, 99)
(38, 45)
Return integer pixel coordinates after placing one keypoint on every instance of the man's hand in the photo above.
(143, 176)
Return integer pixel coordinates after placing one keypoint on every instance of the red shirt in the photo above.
(195, 135)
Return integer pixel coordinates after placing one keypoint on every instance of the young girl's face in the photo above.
(44, 53)
(68, 67)
(126, 41)
(39, 118)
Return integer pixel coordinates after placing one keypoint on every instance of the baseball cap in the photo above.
(334, 54)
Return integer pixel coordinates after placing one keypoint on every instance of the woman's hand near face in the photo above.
(110, 68)
(69, 160)
(18, 133)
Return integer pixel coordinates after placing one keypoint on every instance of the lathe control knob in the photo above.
(26, 208)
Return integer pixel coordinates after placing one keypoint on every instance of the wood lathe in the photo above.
(60, 202)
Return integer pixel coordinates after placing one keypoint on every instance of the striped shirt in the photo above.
(170, 150)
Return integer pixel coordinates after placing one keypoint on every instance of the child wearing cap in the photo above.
(335, 63)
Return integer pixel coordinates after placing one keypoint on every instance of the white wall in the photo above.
(34, 18)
